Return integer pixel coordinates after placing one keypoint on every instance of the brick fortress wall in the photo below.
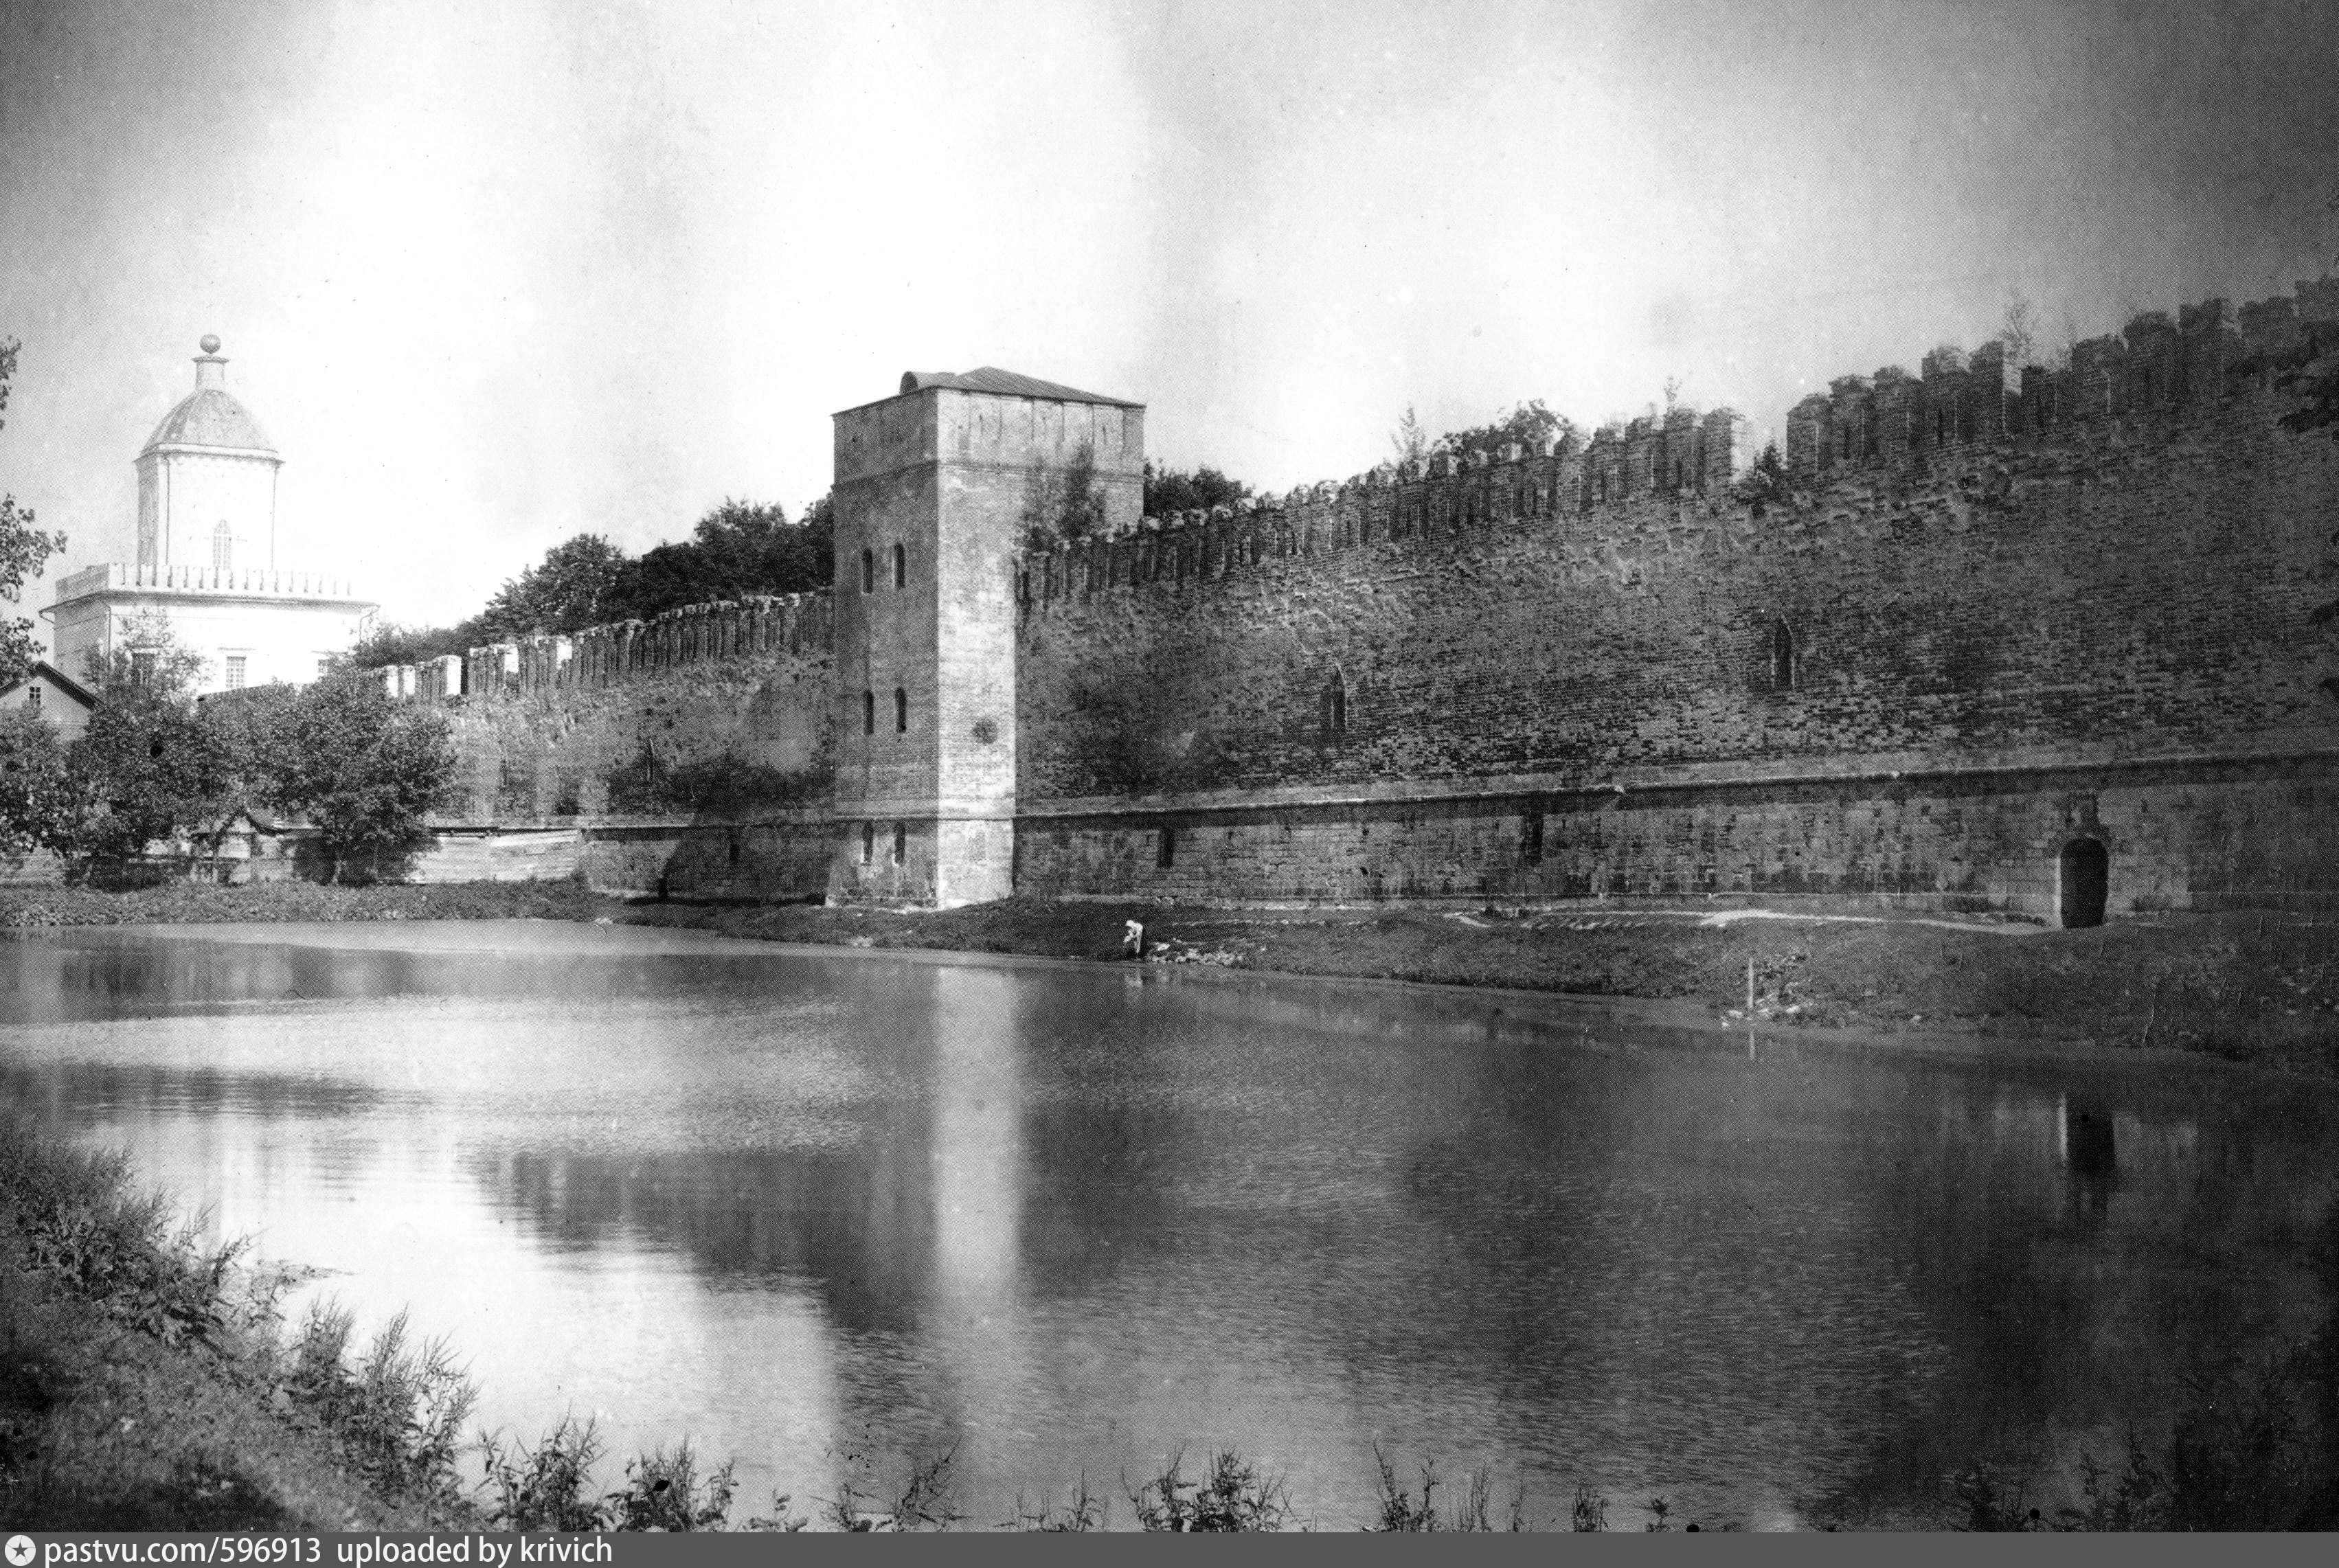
(2000, 610)
(691, 754)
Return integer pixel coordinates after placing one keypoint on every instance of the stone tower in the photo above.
(934, 488)
(207, 482)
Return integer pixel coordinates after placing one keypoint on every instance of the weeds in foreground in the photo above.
(87, 1225)
(2239, 1457)
(926, 1501)
(1398, 1512)
(1083, 1514)
(548, 1487)
(1233, 1497)
(399, 1409)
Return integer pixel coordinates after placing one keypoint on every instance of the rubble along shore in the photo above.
(2251, 987)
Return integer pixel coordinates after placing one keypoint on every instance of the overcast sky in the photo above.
(492, 274)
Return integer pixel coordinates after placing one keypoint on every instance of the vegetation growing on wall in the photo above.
(646, 784)
(1168, 490)
(1063, 506)
(1528, 424)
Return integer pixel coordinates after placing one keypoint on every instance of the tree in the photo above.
(1410, 441)
(1528, 424)
(37, 799)
(1063, 505)
(389, 643)
(25, 551)
(146, 769)
(739, 550)
(2018, 329)
(563, 593)
(363, 768)
(1764, 485)
(1168, 490)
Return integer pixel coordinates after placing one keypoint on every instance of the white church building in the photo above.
(207, 557)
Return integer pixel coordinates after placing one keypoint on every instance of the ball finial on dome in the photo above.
(211, 343)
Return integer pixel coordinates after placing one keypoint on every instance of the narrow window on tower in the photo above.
(901, 842)
(868, 571)
(901, 567)
(900, 711)
(222, 548)
(868, 842)
(1336, 709)
(235, 672)
(1783, 657)
(868, 712)
(1165, 848)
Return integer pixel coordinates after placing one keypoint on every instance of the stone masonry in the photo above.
(1999, 618)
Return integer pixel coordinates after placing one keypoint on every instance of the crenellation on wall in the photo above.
(2210, 340)
(1988, 405)
(621, 651)
(1683, 457)
(2154, 362)
(2069, 598)
(2001, 607)
(1896, 398)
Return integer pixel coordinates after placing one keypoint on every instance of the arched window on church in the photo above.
(222, 548)
(1783, 657)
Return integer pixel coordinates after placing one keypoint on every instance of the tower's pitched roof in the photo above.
(1009, 384)
(210, 417)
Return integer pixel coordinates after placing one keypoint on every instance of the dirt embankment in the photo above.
(2263, 989)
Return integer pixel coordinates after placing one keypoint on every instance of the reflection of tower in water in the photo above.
(2090, 1157)
(974, 1312)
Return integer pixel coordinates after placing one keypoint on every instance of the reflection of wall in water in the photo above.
(2088, 1145)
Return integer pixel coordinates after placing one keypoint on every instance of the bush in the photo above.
(544, 1487)
(398, 1410)
(925, 1503)
(1234, 1497)
(85, 1224)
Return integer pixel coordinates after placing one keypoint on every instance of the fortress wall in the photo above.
(2123, 569)
(695, 750)
(2132, 587)
(2204, 837)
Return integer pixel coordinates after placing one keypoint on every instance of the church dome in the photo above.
(210, 415)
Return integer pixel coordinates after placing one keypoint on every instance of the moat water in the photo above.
(824, 1211)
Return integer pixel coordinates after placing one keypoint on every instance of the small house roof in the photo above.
(55, 677)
